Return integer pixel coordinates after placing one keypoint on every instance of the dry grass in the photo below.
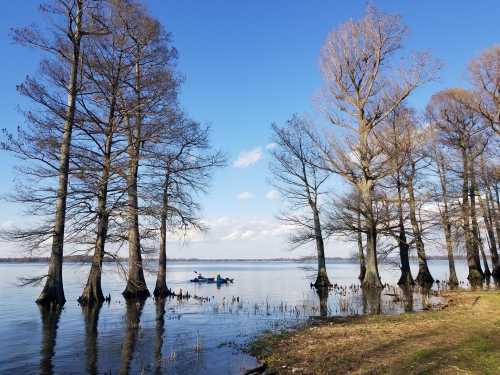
(463, 338)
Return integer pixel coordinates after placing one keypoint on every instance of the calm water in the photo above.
(179, 337)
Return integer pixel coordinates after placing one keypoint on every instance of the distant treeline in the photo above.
(88, 259)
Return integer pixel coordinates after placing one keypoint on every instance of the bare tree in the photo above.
(396, 139)
(444, 211)
(148, 103)
(102, 152)
(484, 72)
(301, 182)
(180, 169)
(362, 89)
(461, 130)
(55, 94)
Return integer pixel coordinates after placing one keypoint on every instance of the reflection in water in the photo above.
(132, 323)
(323, 301)
(372, 300)
(50, 320)
(91, 316)
(407, 295)
(160, 330)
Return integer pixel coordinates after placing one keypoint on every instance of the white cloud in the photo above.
(244, 196)
(272, 195)
(271, 146)
(248, 158)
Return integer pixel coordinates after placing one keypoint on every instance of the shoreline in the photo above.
(460, 336)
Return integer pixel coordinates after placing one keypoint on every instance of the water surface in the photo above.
(178, 336)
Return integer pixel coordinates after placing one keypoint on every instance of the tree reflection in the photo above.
(132, 323)
(407, 293)
(50, 315)
(91, 316)
(372, 301)
(160, 330)
(323, 301)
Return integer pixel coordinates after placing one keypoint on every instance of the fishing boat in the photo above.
(212, 280)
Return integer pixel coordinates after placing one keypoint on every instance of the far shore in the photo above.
(88, 259)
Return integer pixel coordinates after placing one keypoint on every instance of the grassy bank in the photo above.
(461, 338)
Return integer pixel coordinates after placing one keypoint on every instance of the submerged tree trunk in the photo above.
(445, 221)
(136, 284)
(424, 277)
(406, 277)
(53, 291)
(361, 253)
(322, 277)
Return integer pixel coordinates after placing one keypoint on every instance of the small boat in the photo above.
(201, 279)
(212, 280)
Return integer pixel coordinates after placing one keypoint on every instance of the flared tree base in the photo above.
(322, 281)
(424, 278)
(92, 295)
(475, 278)
(453, 281)
(52, 294)
(372, 281)
(135, 292)
(406, 280)
(496, 273)
(161, 291)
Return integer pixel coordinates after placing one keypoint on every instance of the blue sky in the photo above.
(248, 64)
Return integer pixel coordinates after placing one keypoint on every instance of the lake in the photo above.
(179, 336)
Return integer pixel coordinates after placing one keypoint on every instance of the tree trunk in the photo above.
(366, 187)
(477, 244)
(93, 291)
(445, 220)
(475, 275)
(362, 264)
(53, 291)
(494, 214)
(136, 284)
(322, 277)
(372, 277)
(406, 277)
(491, 237)
(161, 290)
(424, 277)
(475, 226)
